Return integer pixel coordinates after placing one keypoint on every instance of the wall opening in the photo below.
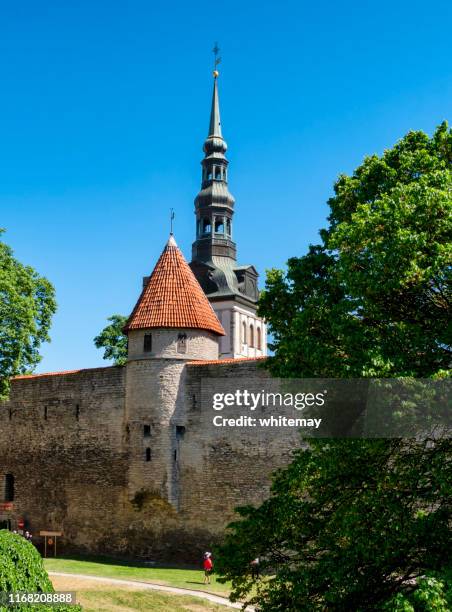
(148, 455)
(147, 344)
(251, 336)
(206, 226)
(244, 332)
(77, 412)
(182, 343)
(259, 338)
(180, 431)
(218, 173)
(219, 226)
(45, 413)
(146, 431)
(9, 488)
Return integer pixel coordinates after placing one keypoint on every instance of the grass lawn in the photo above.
(111, 568)
(104, 597)
(122, 601)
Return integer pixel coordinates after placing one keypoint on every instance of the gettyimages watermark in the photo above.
(253, 400)
(330, 408)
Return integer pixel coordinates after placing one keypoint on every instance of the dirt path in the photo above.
(80, 578)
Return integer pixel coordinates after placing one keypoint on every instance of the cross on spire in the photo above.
(172, 215)
(217, 59)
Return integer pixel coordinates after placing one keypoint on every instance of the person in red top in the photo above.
(208, 567)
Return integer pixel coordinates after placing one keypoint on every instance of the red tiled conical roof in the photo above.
(173, 297)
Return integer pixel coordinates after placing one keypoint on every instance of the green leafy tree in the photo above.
(349, 525)
(27, 305)
(355, 524)
(113, 340)
(373, 299)
(22, 570)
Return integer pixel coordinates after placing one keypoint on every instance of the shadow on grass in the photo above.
(126, 562)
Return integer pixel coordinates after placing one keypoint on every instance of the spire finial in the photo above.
(215, 124)
(217, 60)
(172, 215)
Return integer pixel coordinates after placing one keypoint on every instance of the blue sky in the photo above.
(104, 109)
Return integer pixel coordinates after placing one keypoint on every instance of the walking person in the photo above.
(208, 567)
(255, 568)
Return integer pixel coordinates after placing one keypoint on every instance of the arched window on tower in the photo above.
(219, 225)
(259, 338)
(244, 332)
(218, 173)
(209, 175)
(228, 227)
(251, 336)
(206, 226)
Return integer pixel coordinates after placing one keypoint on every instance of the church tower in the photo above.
(231, 288)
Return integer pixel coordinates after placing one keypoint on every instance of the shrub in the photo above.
(22, 569)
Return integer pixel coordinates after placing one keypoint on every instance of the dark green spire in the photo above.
(215, 120)
(214, 204)
(214, 258)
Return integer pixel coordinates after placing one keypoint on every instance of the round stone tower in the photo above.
(172, 323)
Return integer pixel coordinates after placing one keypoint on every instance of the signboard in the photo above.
(8, 506)
(50, 541)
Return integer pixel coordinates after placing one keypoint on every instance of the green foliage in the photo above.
(113, 340)
(21, 569)
(349, 523)
(429, 596)
(26, 308)
(373, 299)
(357, 524)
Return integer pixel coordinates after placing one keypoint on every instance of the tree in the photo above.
(349, 524)
(26, 308)
(354, 524)
(113, 340)
(22, 570)
(373, 299)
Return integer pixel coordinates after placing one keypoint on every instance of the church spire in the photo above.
(214, 204)
(215, 121)
(231, 288)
